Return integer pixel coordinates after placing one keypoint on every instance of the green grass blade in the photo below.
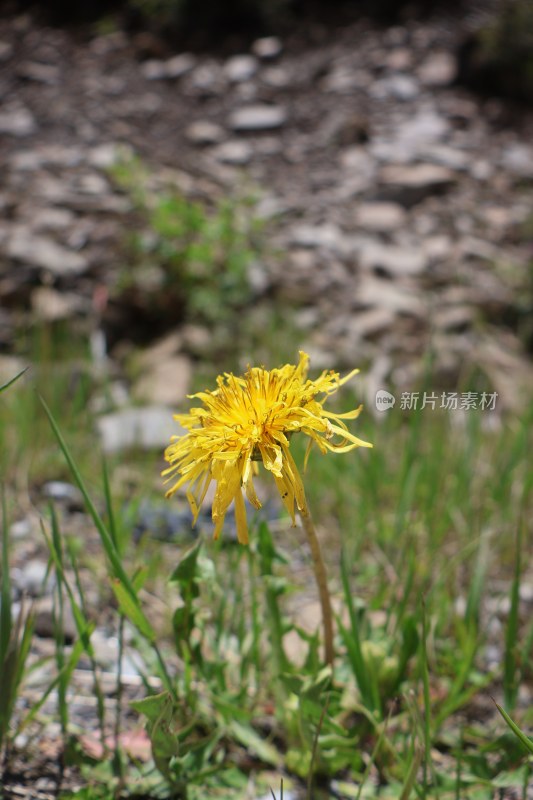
(526, 741)
(59, 624)
(5, 608)
(64, 675)
(132, 611)
(12, 380)
(427, 700)
(510, 665)
(367, 686)
(114, 557)
(107, 540)
(111, 521)
(411, 774)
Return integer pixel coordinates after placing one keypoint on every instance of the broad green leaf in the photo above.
(132, 611)
(255, 744)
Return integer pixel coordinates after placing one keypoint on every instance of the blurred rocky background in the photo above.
(187, 186)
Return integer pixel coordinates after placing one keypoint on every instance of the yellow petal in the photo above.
(240, 519)
(291, 470)
(287, 495)
(228, 483)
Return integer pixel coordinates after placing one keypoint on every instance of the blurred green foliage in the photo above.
(498, 58)
(195, 255)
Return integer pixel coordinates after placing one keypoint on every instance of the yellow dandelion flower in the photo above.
(249, 419)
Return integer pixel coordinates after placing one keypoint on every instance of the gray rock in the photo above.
(439, 69)
(257, 118)
(50, 305)
(171, 69)
(148, 428)
(393, 260)
(326, 236)
(207, 79)
(105, 156)
(31, 578)
(386, 294)
(268, 146)
(167, 347)
(267, 48)
(400, 87)
(234, 152)
(344, 80)
(276, 77)
(425, 127)
(371, 323)
(63, 492)
(517, 158)
(44, 253)
(358, 170)
(48, 155)
(380, 217)
(447, 156)
(196, 339)
(154, 70)
(399, 60)
(179, 65)
(437, 247)
(6, 51)
(166, 382)
(40, 73)
(21, 529)
(453, 318)
(49, 219)
(44, 620)
(17, 122)
(409, 185)
(240, 68)
(203, 133)
(10, 366)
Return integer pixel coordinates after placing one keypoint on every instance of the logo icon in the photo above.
(384, 400)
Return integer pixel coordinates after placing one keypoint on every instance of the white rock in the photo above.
(367, 324)
(401, 87)
(39, 251)
(426, 126)
(411, 184)
(240, 68)
(17, 122)
(6, 51)
(257, 118)
(233, 152)
(393, 260)
(518, 159)
(154, 69)
(202, 132)
(207, 79)
(400, 59)
(49, 219)
(380, 217)
(277, 77)
(386, 294)
(50, 305)
(40, 73)
(179, 65)
(268, 47)
(171, 69)
(166, 382)
(439, 69)
(326, 236)
(147, 428)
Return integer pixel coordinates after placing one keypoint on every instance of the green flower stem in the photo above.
(322, 583)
